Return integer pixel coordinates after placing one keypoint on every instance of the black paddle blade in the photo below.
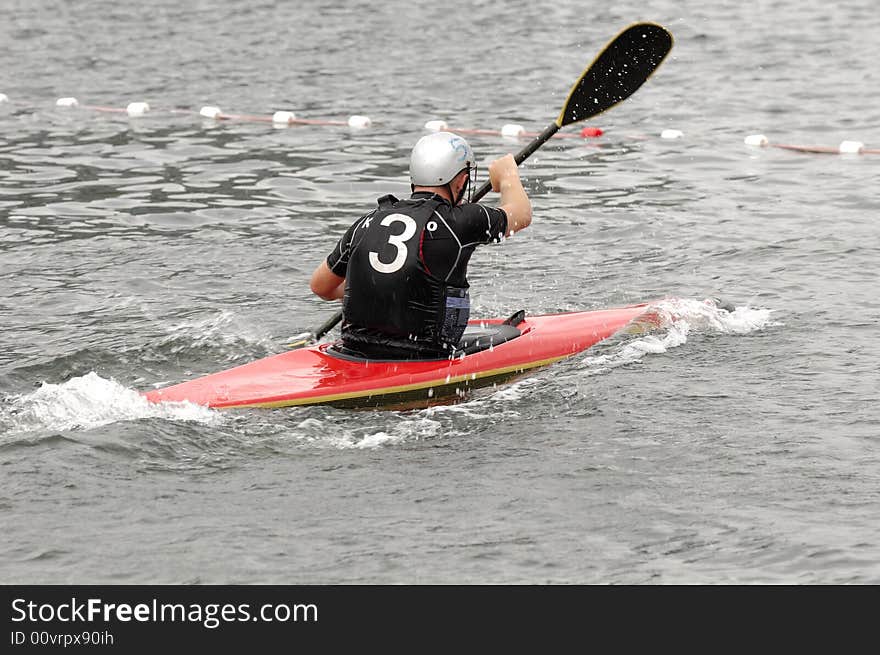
(620, 69)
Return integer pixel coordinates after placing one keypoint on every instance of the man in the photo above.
(401, 269)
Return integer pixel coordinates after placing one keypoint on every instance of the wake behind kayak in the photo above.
(323, 375)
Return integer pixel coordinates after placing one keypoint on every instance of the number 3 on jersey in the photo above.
(396, 240)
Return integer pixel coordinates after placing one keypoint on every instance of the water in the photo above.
(721, 448)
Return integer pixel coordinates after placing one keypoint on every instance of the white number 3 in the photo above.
(396, 240)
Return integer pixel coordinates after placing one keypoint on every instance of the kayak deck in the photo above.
(316, 375)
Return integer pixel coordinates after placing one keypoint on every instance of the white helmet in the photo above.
(439, 157)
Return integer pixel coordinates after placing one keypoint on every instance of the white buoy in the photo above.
(512, 130)
(210, 112)
(671, 134)
(851, 147)
(359, 122)
(137, 108)
(436, 126)
(4, 97)
(67, 102)
(283, 117)
(757, 140)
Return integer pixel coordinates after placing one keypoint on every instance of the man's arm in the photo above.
(326, 284)
(504, 176)
(328, 280)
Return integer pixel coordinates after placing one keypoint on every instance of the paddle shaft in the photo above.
(328, 325)
(520, 157)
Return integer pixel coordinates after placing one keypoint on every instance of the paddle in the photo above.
(616, 73)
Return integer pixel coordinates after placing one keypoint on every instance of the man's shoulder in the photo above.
(476, 210)
(480, 223)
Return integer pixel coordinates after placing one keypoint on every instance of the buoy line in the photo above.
(845, 147)
(512, 130)
(134, 109)
(508, 131)
(287, 118)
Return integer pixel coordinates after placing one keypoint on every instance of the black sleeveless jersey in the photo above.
(405, 268)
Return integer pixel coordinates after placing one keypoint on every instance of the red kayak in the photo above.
(491, 351)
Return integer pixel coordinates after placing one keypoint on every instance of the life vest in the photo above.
(392, 299)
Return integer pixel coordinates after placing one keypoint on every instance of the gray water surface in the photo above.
(137, 252)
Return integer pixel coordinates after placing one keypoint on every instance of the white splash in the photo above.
(223, 329)
(668, 323)
(405, 429)
(377, 439)
(90, 401)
